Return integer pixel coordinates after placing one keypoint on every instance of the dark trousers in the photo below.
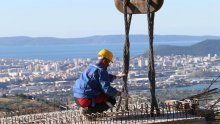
(99, 107)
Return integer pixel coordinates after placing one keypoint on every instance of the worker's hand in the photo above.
(124, 95)
(120, 75)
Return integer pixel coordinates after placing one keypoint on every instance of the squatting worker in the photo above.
(92, 90)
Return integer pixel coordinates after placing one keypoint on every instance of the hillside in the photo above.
(199, 49)
(25, 105)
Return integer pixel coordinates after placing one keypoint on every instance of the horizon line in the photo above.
(26, 36)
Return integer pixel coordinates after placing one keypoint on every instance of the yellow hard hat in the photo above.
(107, 54)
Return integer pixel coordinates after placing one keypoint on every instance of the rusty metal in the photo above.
(137, 114)
(202, 94)
(139, 6)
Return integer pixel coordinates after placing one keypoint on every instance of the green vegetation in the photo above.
(22, 104)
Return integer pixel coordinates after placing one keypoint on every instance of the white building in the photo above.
(140, 61)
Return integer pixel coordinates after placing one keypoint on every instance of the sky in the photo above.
(82, 18)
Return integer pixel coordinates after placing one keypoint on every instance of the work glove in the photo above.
(120, 75)
(124, 95)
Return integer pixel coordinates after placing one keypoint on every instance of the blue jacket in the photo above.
(94, 81)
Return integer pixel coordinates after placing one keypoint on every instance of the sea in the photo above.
(62, 52)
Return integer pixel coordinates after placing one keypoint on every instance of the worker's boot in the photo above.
(85, 111)
(88, 113)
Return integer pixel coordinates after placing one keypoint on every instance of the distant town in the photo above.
(48, 79)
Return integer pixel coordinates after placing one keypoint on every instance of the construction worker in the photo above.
(92, 91)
